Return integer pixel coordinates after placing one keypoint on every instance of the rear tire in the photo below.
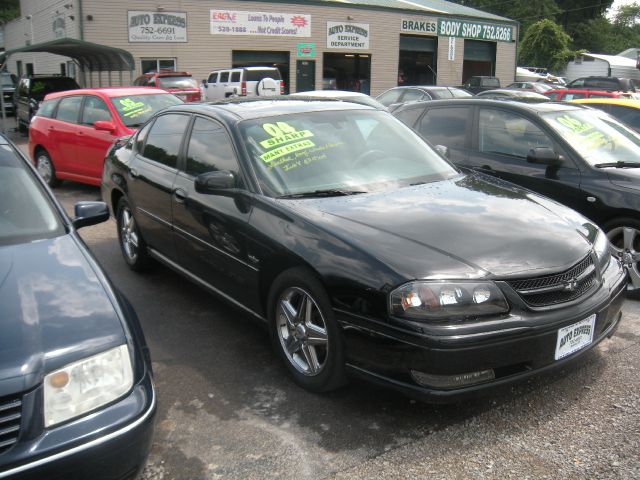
(304, 331)
(46, 169)
(132, 245)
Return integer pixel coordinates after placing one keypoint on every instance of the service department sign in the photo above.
(348, 36)
(148, 26)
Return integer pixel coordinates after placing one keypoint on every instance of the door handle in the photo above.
(133, 173)
(180, 195)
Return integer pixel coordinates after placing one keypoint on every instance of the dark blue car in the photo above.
(76, 392)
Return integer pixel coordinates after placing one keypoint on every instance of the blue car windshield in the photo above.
(26, 214)
(347, 150)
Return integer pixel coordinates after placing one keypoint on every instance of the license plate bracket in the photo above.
(575, 337)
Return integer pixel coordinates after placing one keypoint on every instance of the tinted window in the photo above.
(209, 149)
(446, 126)
(224, 77)
(257, 75)
(69, 109)
(213, 77)
(47, 108)
(42, 86)
(409, 116)
(411, 94)
(628, 115)
(392, 96)
(163, 144)
(235, 77)
(509, 134)
(572, 96)
(95, 110)
(141, 137)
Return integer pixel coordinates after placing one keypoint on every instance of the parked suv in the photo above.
(242, 82)
(8, 81)
(181, 84)
(575, 155)
(31, 90)
(604, 83)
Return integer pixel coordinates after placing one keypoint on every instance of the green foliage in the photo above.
(545, 45)
(9, 9)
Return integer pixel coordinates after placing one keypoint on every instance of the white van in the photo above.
(242, 82)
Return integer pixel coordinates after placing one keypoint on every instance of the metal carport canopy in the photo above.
(90, 56)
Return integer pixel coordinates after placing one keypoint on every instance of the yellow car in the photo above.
(624, 109)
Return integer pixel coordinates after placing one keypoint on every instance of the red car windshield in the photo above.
(134, 110)
(177, 82)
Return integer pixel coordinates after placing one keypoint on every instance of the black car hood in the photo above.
(469, 227)
(625, 177)
(55, 310)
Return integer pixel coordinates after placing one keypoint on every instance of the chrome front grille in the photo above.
(560, 288)
(10, 417)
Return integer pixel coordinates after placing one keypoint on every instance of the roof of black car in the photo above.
(246, 109)
(534, 107)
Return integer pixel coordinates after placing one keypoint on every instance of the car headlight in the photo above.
(86, 385)
(602, 247)
(436, 300)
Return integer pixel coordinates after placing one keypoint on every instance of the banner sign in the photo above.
(451, 53)
(348, 36)
(150, 26)
(306, 50)
(451, 27)
(426, 27)
(235, 22)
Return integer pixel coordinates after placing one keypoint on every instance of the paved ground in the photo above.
(228, 410)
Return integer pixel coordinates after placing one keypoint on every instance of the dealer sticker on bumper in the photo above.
(575, 337)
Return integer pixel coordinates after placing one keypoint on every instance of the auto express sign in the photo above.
(145, 26)
(348, 36)
(269, 24)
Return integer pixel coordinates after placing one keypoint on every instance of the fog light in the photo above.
(452, 381)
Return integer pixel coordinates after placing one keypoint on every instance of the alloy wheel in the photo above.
(626, 243)
(302, 331)
(128, 234)
(44, 167)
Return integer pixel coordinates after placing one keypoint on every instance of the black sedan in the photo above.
(76, 394)
(580, 157)
(398, 95)
(363, 250)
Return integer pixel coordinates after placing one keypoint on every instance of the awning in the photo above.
(90, 56)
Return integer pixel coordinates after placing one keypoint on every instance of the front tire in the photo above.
(304, 331)
(45, 168)
(624, 235)
(132, 245)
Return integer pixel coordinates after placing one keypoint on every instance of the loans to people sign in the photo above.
(348, 36)
(235, 22)
(148, 26)
(452, 27)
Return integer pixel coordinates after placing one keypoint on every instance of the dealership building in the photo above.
(360, 45)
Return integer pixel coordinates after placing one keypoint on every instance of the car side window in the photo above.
(210, 149)
(213, 77)
(47, 108)
(95, 110)
(165, 137)
(392, 96)
(409, 116)
(69, 109)
(506, 133)
(235, 77)
(141, 137)
(224, 77)
(446, 126)
(573, 96)
(412, 94)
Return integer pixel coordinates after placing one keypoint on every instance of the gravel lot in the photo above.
(228, 410)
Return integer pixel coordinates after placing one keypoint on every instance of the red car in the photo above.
(181, 84)
(71, 132)
(566, 94)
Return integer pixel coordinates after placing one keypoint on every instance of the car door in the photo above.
(152, 174)
(502, 141)
(210, 86)
(450, 127)
(92, 144)
(63, 133)
(211, 229)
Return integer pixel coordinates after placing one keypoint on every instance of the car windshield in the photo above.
(596, 136)
(342, 151)
(26, 214)
(134, 110)
(177, 82)
(42, 86)
(8, 80)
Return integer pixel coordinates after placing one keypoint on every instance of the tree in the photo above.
(9, 9)
(545, 45)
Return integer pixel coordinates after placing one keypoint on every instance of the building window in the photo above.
(157, 64)
(30, 69)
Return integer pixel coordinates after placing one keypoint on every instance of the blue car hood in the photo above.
(55, 310)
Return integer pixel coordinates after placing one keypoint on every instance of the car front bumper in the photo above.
(513, 350)
(111, 443)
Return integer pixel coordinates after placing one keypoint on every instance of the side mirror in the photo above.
(204, 83)
(215, 182)
(544, 156)
(104, 126)
(90, 213)
(442, 150)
